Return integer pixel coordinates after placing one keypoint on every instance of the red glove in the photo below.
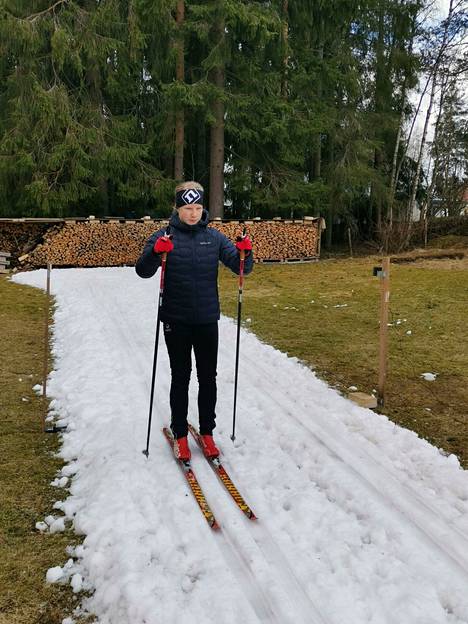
(163, 245)
(244, 244)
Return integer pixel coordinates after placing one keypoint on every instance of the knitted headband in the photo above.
(189, 196)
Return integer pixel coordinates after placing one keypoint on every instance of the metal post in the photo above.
(155, 356)
(239, 314)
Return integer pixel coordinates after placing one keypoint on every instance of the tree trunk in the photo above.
(201, 165)
(317, 158)
(180, 77)
(217, 134)
(380, 78)
(93, 79)
(393, 178)
(329, 230)
(429, 111)
(435, 168)
(395, 166)
(414, 188)
(285, 41)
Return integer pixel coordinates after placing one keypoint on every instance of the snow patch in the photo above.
(359, 520)
(42, 526)
(54, 574)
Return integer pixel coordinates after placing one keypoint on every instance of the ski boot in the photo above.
(181, 449)
(209, 447)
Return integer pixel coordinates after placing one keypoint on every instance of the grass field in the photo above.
(27, 466)
(327, 315)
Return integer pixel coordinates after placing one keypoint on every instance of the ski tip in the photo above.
(215, 526)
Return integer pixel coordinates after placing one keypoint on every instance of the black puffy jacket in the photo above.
(191, 279)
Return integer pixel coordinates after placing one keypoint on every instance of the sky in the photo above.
(440, 12)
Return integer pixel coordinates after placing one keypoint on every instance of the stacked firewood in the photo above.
(277, 240)
(19, 238)
(93, 244)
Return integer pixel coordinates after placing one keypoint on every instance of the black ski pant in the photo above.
(180, 340)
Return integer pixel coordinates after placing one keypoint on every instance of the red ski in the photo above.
(225, 478)
(193, 483)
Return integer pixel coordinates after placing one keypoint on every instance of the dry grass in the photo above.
(27, 465)
(293, 308)
(445, 264)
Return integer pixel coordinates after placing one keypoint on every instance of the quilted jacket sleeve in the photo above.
(149, 262)
(230, 257)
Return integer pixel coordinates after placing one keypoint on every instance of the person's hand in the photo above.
(244, 243)
(163, 245)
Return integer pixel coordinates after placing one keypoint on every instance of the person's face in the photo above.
(191, 213)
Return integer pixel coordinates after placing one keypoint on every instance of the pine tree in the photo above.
(277, 107)
(68, 137)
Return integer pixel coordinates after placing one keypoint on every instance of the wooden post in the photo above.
(350, 243)
(383, 349)
(321, 225)
(45, 369)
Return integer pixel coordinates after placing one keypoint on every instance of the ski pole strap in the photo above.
(163, 274)
(241, 273)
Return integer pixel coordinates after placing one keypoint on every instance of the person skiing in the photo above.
(190, 306)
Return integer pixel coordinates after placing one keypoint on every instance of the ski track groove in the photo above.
(400, 492)
(413, 514)
(230, 547)
(433, 536)
(242, 570)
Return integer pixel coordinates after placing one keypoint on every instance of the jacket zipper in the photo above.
(195, 273)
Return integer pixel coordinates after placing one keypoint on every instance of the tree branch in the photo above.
(34, 16)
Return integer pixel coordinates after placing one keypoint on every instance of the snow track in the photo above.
(273, 600)
(359, 521)
(434, 526)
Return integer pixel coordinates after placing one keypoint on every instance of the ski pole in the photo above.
(239, 310)
(156, 343)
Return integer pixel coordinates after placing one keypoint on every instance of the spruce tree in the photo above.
(68, 138)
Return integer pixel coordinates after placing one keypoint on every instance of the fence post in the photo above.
(45, 368)
(383, 347)
(350, 242)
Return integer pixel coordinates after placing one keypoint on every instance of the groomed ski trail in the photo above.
(400, 498)
(352, 510)
(273, 600)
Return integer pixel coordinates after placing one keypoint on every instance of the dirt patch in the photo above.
(457, 264)
(439, 257)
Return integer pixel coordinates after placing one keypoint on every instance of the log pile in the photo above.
(277, 240)
(93, 244)
(20, 238)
